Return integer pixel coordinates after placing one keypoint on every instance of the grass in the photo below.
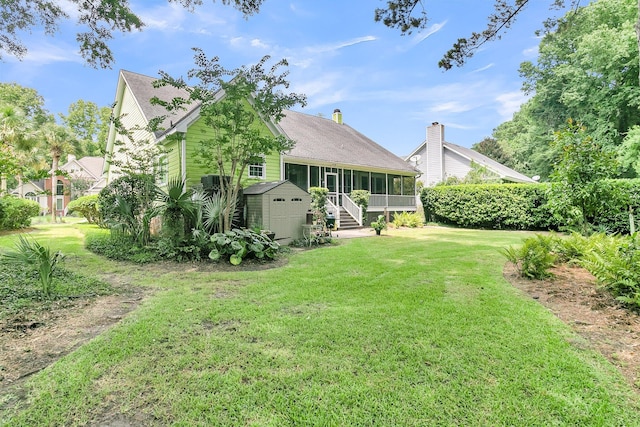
(417, 327)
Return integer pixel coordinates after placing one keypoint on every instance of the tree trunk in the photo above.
(54, 186)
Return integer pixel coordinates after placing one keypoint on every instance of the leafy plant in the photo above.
(16, 213)
(534, 258)
(407, 219)
(87, 206)
(361, 198)
(30, 253)
(379, 224)
(177, 208)
(319, 204)
(238, 244)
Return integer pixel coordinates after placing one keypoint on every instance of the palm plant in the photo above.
(59, 141)
(177, 207)
(31, 254)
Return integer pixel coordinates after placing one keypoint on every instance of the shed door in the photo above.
(279, 222)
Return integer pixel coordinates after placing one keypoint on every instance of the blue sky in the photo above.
(387, 86)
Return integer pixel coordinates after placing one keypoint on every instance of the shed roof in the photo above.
(263, 187)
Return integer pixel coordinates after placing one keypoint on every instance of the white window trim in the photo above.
(263, 175)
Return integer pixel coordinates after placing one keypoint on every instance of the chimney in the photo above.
(435, 154)
(337, 116)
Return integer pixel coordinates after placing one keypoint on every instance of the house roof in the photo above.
(324, 140)
(317, 139)
(91, 165)
(496, 167)
(143, 90)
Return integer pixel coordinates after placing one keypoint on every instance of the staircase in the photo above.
(347, 222)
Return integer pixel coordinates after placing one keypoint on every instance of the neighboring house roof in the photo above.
(323, 140)
(496, 167)
(143, 89)
(90, 167)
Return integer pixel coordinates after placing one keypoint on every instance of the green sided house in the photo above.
(328, 153)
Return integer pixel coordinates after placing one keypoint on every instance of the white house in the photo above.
(438, 160)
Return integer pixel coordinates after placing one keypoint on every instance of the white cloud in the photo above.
(339, 45)
(428, 32)
(485, 68)
(509, 103)
(531, 52)
(45, 53)
(451, 107)
(259, 44)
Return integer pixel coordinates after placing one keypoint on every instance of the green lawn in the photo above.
(415, 327)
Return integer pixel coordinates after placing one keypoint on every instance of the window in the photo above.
(296, 174)
(59, 203)
(31, 196)
(257, 170)
(162, 169)
(59, 187)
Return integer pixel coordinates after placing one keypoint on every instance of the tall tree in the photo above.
(28, 100)
(59, 141)
(235, 139)
(492, 149)
(108, 15)
(86, 120)
(16, 132)
(587, 71)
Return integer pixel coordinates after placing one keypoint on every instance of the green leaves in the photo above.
(239, 244)
(31, 254)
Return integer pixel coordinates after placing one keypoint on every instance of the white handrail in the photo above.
(353, 209)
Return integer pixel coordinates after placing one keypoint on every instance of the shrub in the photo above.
(497, 206)
(238, 244)
(31, 254)
(361, 198)
(534, 258)
(120, 247)
(407, 219)
(16, 213)
(615, 263)
(87, 206)
(319, 203)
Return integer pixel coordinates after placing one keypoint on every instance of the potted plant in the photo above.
(379, 224)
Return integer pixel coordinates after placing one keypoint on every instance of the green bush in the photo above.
(497, 206)
(87, 206)
(535, 257)
(120, 247)
(16, 213)
(361, 198)
(524, 206)
(407, 219)
(238, 244)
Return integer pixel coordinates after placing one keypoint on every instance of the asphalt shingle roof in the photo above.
(324, 140)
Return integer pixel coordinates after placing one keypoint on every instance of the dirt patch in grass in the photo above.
(606, 326)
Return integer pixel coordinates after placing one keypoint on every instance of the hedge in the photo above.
(87, 206)
(17, 213)
(521, 206)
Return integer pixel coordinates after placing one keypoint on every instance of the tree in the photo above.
(235, 140)
(16, 135)
(26, 99)
(492, 149)
(110, 15)
(87, 121)
(58, 140)
(579, 185)
(587, 70)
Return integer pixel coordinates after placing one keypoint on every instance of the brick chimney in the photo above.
(337, 116)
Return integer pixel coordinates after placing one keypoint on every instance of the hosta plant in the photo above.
(238, 244)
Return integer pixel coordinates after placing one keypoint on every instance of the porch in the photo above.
(349, 215)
